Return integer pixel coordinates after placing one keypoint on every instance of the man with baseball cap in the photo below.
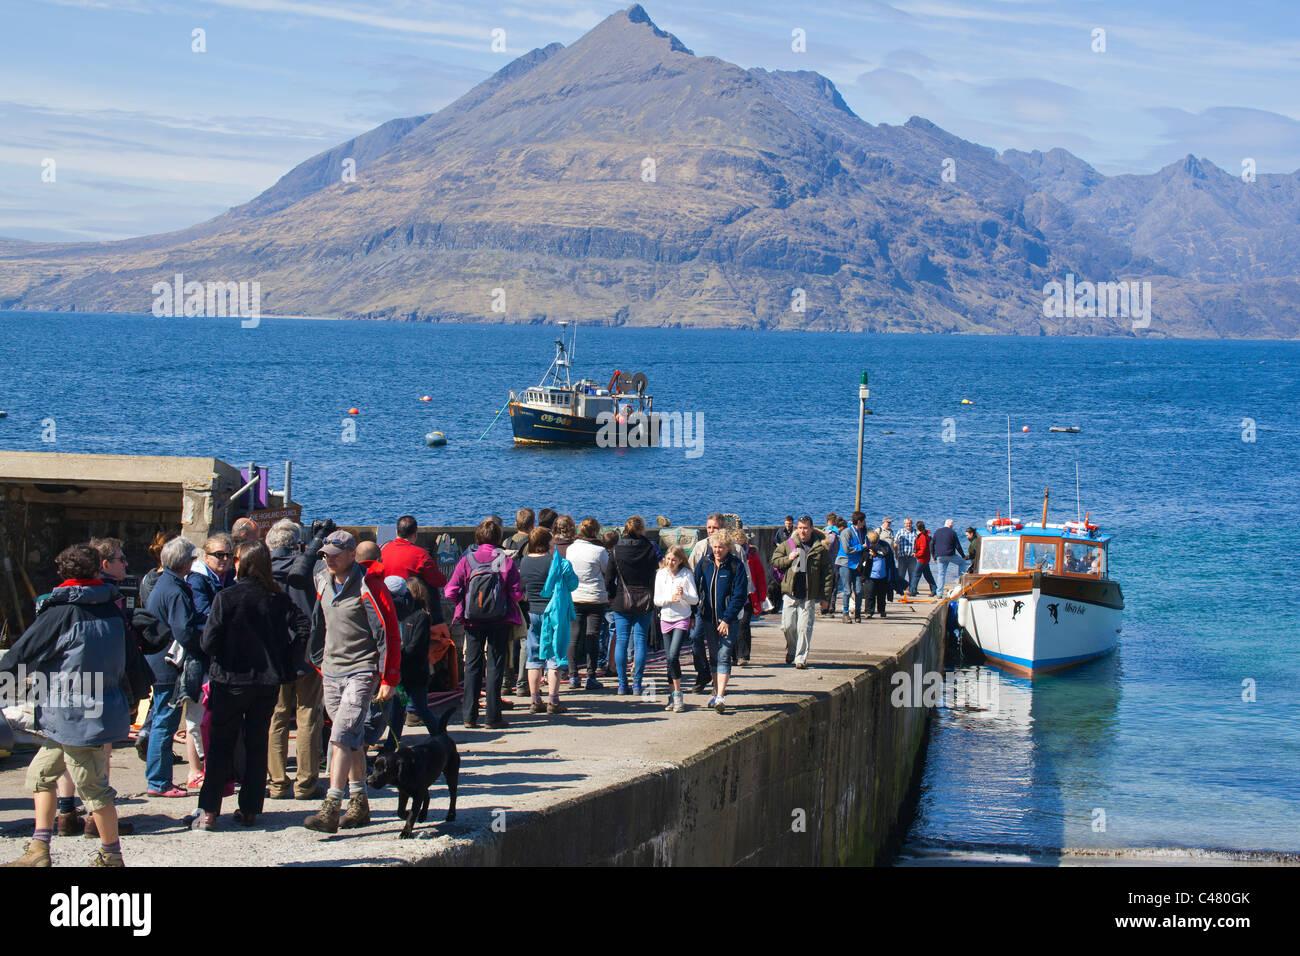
(355, 626)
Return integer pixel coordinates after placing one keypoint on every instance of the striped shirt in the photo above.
(905, 543)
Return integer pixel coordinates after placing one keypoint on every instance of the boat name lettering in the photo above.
(558, 419)
(999, 602)
(1074, 608)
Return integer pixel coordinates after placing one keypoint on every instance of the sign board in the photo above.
(266, 517)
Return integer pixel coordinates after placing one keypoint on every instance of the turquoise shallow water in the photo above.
(1157, 737)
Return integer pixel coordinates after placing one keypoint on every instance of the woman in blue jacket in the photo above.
(723, 586)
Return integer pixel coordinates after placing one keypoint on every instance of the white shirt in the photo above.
(665, 584)
(589, 562)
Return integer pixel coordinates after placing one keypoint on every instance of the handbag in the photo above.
(632, 599)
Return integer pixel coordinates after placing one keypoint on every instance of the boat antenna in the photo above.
(1008, 466)
(1078, 508)
(1046, 491)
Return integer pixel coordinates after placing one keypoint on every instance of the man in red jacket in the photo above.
(921, 548)
(406, 559)
(362, 661)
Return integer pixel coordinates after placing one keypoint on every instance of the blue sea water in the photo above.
(1158, 737)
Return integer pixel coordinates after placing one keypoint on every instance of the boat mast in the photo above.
(1008, 466)
(1045, 491)
(560, 363)
(1078, 508)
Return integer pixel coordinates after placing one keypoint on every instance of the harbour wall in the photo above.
(825, 781)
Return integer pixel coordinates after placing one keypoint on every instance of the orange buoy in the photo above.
(1025, 429)
(425, 398)
(353, 411)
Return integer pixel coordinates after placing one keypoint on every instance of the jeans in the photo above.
(905, 566)
(700, 654)
(419, 694)
(235, 711)
(953, 563)
(850, 583)
(797, 622)
(919, 570)
(166, 718)
(485, 643)
(720, 645)
(635, 627)
(673, 639)
(584, 640)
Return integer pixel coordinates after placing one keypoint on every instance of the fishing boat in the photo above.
(1042, 599)
(558, 411)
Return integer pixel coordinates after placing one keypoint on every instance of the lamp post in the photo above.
(863, 394)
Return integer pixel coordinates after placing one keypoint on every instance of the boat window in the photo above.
(1039, 555)
(998, 554)
(1084, 558)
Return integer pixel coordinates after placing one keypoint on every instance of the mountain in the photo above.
(625, 180)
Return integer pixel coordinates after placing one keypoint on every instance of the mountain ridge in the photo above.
(623, 179)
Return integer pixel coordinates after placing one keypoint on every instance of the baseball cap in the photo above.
(338, 542)
(396, 585)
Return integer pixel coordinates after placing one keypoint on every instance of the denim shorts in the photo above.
(535, 663)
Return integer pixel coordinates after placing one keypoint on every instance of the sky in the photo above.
(148, 135)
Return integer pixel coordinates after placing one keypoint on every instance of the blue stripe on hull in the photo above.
(1050, 663)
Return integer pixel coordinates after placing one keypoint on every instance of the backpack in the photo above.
(485, 597)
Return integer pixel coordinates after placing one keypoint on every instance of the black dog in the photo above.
(415, 769)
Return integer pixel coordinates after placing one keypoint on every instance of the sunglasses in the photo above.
(220, 555)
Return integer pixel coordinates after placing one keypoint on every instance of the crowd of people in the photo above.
(240, 639)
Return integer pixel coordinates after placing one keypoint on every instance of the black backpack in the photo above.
(485, 592)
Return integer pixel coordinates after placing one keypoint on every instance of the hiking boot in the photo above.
(720, 705)
(36, 854)
(69, 824)
(521, 690)
(142, 747)
(702, 689)
(124, 827)
(555, 707)
(104, 858)
(497, 724)
(845, 619)
(537, 708)
(326, 819)
(358, 813)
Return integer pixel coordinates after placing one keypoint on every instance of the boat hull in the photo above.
(534, 427)
(1034, 623)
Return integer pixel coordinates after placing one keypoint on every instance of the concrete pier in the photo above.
(808, 767)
